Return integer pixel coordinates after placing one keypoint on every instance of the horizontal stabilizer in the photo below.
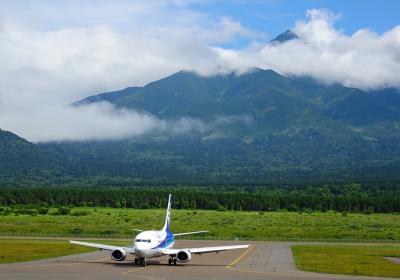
(187, 233)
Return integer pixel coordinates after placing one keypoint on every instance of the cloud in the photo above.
(364, 59)
(60, 53)
(45, 68)
(97, 121)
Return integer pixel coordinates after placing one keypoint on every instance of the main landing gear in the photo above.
(171, 261)
(140, 261)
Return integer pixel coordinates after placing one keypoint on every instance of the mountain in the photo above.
(274, 103)
(20, 158)
(260, 127)
(276, 128)
(389, 97)
(107, 96)
(284, 37)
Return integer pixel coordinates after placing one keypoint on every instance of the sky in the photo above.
(56, 52)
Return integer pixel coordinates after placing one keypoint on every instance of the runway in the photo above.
(272, 260)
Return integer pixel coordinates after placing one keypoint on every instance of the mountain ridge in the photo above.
(280, 129)
(263, 94)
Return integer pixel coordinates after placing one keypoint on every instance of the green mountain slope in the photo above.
(20, 158)
(294, 129)
(276, 104)
(262, 127)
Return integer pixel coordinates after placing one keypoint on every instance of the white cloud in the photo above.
(59, 53)
(44, 69)
(97, 121)
(365, 59)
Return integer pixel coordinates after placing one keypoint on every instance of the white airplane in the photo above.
(157, 243)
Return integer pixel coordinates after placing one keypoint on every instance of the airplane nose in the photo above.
(139, 253)
(143, 253)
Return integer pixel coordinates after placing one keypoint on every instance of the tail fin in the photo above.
(167, 217)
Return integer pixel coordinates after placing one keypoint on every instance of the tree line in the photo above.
(343, 198)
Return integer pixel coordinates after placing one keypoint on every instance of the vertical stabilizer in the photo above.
(167, 217)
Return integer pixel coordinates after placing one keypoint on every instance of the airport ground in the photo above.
(263, 260)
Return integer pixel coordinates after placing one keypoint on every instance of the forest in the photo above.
(351, 197)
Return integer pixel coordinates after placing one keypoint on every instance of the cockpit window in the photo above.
(143, 240)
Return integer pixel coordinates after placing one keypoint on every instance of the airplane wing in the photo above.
(205, 250)
(103, 246)
(187, 233)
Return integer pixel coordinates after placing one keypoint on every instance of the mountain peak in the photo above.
(285, 36)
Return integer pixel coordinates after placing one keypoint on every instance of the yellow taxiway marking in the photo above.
(229, 266)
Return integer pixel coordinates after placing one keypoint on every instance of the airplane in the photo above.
(157, 243)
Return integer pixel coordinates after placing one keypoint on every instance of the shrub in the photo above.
(7, 211)
(64, 210)
(108, 232)
(43, 211)
(75, 231)
(221, 208)
(79, 213)
(369, 211)
(23, 211)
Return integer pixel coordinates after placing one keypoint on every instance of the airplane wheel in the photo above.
(136, 261)
(174, 261)
(169, 261)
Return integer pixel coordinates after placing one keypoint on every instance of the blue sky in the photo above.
(275, 16)
(268, 16)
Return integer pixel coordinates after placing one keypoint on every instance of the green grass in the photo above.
(19, 250)
(244, 225)
(367, 260)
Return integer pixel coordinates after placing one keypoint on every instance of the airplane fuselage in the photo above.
(149, 244)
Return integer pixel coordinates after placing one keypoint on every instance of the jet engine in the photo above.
(118, 255)
(183, 256)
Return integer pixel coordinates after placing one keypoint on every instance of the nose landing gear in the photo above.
(171, 261)
(140, 261)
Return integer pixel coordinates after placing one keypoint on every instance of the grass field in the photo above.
(25, 250)
(228, 224)
(364, 260)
